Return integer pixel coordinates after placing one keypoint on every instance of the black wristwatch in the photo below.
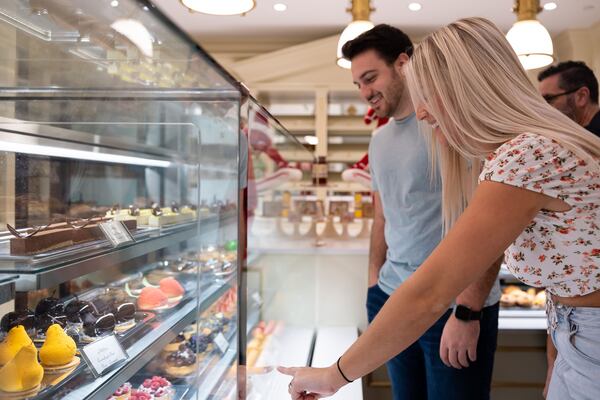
(464, 313)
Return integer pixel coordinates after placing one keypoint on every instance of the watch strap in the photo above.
(464, 313)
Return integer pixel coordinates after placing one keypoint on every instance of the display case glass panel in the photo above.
(283, 215)
(119, 189)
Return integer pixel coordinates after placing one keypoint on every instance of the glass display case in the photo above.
(286, 233)
(119, 193)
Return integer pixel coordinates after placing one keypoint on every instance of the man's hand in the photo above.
(459, 342)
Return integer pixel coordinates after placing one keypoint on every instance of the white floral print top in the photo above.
(558, 250)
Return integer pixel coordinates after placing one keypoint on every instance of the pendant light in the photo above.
(528, 37)
(220, 7)
(361, 10)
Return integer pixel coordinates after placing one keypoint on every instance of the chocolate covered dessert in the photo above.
(84, 318)
(48, 311)
(58, 235)
(182, 362)
(16, 318)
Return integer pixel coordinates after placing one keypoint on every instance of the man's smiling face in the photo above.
(378, 82)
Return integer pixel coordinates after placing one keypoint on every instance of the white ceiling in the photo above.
(311, 19)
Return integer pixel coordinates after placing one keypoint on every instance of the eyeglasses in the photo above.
(550, 97)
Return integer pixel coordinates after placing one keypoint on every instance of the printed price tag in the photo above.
(221, 343)
(104, 354)
(116, 232)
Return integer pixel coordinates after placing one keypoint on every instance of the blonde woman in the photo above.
(535, 176)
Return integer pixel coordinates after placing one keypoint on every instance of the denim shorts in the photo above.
(575, 332)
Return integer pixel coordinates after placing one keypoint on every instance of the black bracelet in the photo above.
(341, 373)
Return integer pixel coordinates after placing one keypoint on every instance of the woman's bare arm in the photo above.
(496, 216)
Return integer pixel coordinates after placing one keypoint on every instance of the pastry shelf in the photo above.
(146, 348)
(41, 274)
(56, 271)
(8, 278)
(513, 318)
(213, 376)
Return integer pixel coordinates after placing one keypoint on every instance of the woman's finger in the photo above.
(291, 371)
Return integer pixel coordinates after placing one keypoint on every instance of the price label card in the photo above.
(104, 354)
(221, 343)
(116, 232)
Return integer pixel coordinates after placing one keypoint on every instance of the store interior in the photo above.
(177, 218)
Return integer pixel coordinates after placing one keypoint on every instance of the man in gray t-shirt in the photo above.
(454, 358)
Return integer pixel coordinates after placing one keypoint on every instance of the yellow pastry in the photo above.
(10, 380)
(23, 372)
(540, 299)
(16, 338)
(59, 348)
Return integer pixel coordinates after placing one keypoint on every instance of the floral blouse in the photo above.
(558, 250)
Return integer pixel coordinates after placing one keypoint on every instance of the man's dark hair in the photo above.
(387, 41)
(573, 75)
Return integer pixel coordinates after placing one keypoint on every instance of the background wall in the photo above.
(331, 289)
(305, 76)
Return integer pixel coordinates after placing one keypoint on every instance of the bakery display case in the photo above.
(522, 307)
(274, 185)
(119, 218)
(286, 222)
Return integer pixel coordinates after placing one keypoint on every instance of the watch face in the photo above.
(462, 313)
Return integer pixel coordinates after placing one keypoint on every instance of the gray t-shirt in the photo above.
(412, 206)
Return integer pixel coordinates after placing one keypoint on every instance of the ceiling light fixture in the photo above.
(137, 33)
(279, 7)
(361, 10)
(220, 7)
(53, 151)
(550, 6)
(528, 37)
(114, 3)
(414, 7)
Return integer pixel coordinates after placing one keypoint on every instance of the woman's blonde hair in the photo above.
(469, 78)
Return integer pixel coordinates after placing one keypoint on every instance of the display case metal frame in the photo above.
(51, 273)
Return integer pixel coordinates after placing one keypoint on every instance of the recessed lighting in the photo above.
(114, 3)
(550, 6)
(414, 6)
(279, 7)
(145, 8)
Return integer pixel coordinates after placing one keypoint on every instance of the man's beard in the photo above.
(392, 98)
(569, 109)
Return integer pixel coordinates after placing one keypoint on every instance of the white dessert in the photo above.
(169, 217)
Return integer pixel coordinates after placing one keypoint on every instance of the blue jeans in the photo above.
(575, 332)
(418, 373)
